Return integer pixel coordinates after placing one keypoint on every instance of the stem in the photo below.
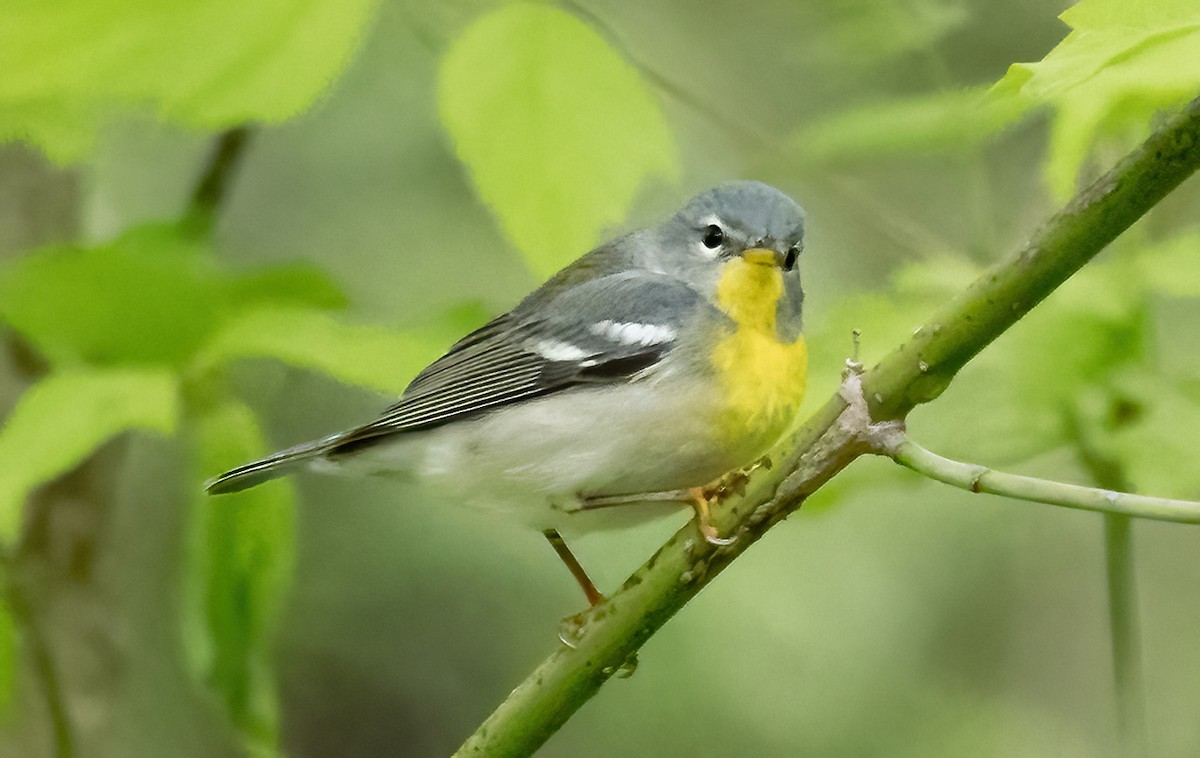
(975, 478)
(25, 619)
(915, 373)
(1126, 635)
(1123, 617)
(213, 185)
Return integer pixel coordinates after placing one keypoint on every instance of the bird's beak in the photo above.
(761, 256)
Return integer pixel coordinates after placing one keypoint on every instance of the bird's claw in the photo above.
(732, 483)
(712, 536)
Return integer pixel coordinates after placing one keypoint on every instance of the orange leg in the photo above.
(589, 587)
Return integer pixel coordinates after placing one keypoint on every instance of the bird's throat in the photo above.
(762, 376)
(749, 294)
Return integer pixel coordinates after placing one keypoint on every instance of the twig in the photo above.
(975, 478)
(915, 373)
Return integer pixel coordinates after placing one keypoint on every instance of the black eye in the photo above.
(713, 236)
(789, 260)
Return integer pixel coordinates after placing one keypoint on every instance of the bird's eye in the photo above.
(713, 236)
(789, 259)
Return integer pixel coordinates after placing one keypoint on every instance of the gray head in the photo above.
(728, 221)
(749, 214)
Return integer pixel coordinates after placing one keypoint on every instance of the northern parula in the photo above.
(642, 372)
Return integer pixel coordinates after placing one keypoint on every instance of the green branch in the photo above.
(975, 478)
(838, 433)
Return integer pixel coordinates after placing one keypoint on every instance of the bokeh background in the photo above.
(890, 616)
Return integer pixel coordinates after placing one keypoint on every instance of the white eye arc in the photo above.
(712, 237)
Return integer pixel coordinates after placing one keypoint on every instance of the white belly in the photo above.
(537, 459)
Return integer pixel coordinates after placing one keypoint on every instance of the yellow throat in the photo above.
(762, 377)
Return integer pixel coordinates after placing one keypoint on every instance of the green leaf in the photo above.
(71, 65)
(932, 123)
(557, 130)
(151, 296)
(240, 570)
(1121, 62)
(367, 356)
(60, 420)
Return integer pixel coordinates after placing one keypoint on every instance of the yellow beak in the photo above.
(761, 256)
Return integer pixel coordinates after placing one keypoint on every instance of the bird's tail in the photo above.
(273, 466)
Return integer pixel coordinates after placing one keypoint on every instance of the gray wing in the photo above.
(609, 329)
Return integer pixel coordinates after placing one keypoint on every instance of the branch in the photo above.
(838, 433)
(975, 478)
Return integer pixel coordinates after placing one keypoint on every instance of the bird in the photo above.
(650, 370)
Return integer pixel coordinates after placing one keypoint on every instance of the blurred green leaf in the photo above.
(930, 123)
(1170, 273)
(1172, 267)
(241, 568)
(72, 64)
(1135, 419)
(1121, 62)
(300, 284)
(60, 420)
(864, 33)
(367, 356)
(151, 296)
(8, 655)
(557, 130)
(1008, 404)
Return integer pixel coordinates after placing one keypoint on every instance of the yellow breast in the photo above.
(762, 377)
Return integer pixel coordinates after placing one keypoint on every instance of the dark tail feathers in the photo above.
(271, 467)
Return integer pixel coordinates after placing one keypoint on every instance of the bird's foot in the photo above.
(703, 498)
(574, 628)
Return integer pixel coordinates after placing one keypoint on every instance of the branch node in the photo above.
(885, 437)
(882, 437)
(975, 481)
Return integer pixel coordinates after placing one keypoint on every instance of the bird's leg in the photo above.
(699, 498)
(572, 628)
(589, 587)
